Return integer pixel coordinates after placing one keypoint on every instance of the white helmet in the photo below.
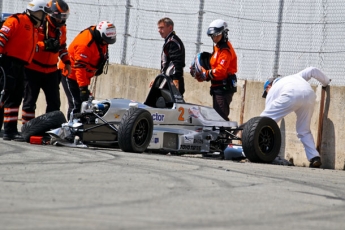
(107, 31)
(217, 27)
(37, 5)
(37, 10)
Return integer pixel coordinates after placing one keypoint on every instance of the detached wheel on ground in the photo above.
(135, 130)
(261, 139)
(41, 124)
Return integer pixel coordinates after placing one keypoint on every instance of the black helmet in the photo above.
(60, 11)
(201, 60)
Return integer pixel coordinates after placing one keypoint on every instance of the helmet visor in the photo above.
(109, 36)
(47, 10)
(214, 31)
(60, 16)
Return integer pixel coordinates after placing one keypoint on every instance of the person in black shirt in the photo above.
(173, 54)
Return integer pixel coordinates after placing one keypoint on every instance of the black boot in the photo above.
(11, 132)
(12, 136)
(315, 162)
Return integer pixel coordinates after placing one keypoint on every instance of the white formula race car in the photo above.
(163, 123)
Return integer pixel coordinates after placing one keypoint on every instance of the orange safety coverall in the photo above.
(46, 61)
(223, 62)
(42, 72)
(18, 38)
(85, 56)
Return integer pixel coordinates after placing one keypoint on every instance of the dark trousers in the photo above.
(73, 95)
(181, 85)
(1, 117)
(14, 90)
(35, 81)
(221, 103)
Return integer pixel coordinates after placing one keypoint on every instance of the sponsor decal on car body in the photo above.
(158, 117)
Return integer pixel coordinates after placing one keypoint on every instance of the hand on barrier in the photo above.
(325, 87)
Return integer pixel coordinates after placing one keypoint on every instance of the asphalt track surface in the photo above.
(50, 187)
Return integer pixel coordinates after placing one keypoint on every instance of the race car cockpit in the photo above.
(163, 93)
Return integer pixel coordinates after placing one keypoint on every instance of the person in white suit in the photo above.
(294, 94)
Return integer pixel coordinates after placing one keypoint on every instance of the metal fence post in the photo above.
(1, 10)
(126, 34)
(278, 39)
(200, 19)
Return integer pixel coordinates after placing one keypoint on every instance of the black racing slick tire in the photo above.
(261, 139)
(135, 130)
(41, 124)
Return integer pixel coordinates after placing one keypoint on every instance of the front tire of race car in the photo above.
(261, 139)
(135, 130)
(41, 124)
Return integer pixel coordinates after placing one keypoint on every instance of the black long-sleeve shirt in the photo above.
(173, 59)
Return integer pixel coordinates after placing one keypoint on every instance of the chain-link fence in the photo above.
(270, 36)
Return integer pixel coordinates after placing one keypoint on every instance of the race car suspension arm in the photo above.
(105, 123)
(233, 135)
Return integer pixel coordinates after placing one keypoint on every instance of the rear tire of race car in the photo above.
(41, 124)
(261, 139)
(135, 130)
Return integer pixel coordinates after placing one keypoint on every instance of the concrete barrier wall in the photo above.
(132, 82)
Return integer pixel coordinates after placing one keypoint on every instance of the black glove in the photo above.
(52, 45)
(84, 93)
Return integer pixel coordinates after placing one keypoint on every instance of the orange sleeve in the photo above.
(233, 60)
(63, 53)
(81, 60)
(7, 30)
(40, 42)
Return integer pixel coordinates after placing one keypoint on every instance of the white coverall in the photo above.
(294, 94)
